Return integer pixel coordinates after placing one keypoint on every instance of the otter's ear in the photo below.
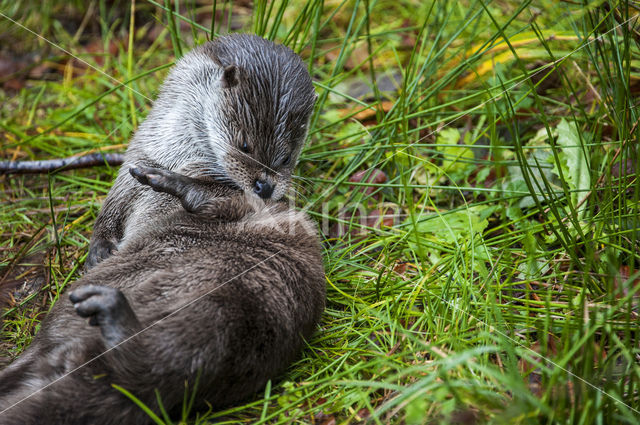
(230, 77)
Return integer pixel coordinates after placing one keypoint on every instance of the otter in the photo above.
(236, 109)
(221, 291)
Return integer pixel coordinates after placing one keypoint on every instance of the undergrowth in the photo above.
(472, 167)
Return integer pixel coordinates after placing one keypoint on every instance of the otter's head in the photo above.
(257, 121)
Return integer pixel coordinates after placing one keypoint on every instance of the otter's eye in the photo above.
(245, 147)
(287, 160)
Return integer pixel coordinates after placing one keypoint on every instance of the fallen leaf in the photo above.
(324, 419)
(375, 177)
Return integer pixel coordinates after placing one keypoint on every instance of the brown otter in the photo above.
(236, 108)
(224, 289)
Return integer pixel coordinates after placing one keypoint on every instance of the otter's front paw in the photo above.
(158, 179)
(108, 308)
(99, 303)
(98, 251)
(191, 192)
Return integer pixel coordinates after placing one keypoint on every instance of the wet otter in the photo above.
(236, 108)
(224, 289)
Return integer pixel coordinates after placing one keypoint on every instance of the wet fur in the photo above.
(245, 312)
(235, 94)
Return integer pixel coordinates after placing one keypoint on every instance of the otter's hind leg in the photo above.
(15, 375)
(21, 379)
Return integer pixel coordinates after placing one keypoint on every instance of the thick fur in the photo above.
(235, 109)
(227, 293)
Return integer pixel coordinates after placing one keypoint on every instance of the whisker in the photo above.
(293, 176)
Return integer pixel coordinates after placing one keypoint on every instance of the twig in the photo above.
(70, 163)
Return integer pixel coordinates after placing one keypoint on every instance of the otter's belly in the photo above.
(148, 208)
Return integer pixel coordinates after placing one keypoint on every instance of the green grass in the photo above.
(503, 284)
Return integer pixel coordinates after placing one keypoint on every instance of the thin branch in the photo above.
(60, 164)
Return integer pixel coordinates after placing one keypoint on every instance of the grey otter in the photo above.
(236, 108)
(224, 289)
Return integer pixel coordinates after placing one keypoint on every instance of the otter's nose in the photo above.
(263, 189)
